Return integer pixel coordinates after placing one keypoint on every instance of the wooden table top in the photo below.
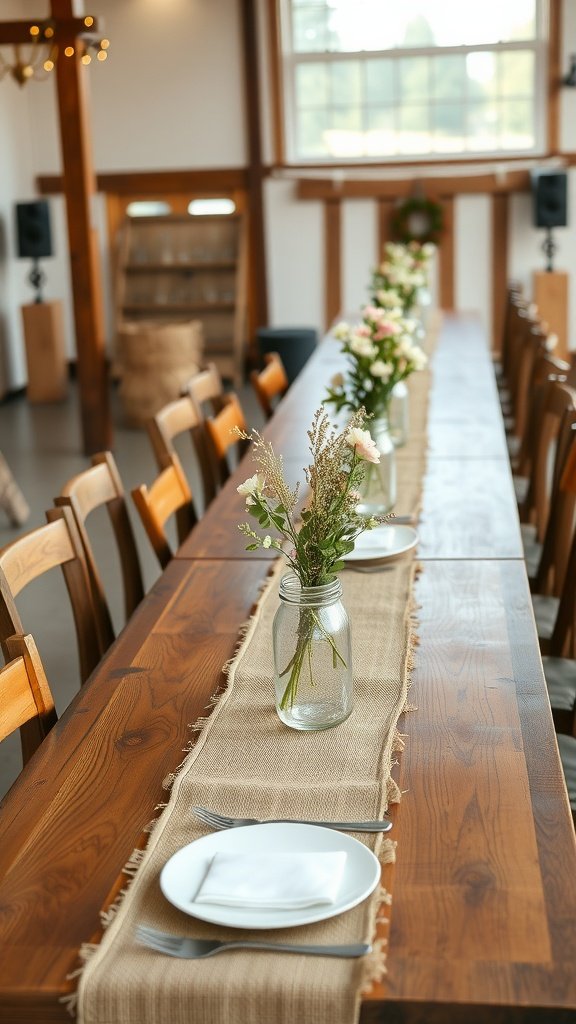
(484, 893)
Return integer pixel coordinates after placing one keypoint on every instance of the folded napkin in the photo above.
(284, 881)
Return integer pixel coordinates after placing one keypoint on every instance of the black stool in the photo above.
(294, 345)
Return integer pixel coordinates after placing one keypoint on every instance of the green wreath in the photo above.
(418, 220)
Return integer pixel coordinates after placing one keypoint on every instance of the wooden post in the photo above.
(332, 260)
(257, 246)
(385, 209)
(446, 254)
(80, 188)
(499, 266)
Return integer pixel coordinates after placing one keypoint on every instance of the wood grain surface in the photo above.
(481, 927)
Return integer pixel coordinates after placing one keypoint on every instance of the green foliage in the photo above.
(329, 523)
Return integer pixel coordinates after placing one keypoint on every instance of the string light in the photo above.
(43, 50)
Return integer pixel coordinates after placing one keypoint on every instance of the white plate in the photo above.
(383, 544)
(182, 874)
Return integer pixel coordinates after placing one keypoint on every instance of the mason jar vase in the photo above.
(312, 655)
(378, 489)
(399, 414)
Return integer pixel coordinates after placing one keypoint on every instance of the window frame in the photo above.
(287, 61)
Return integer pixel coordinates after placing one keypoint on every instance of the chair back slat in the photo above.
(28, 557)
(269, 383)
(177, 418)
(101, 486)
(220, 434)
(156, 504)
(26, 701)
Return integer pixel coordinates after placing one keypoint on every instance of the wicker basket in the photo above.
(155, 360)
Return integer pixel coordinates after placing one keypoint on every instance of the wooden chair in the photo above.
(32, 554)
(522, 318)
(25, 699)
(557, 400)
(206, 392)
(98, 486)
(555, 608)
(545, 367)
(156, 504)
(219, 430)
(174, 419)
(514, 298)
(269, 383)
(567, 748)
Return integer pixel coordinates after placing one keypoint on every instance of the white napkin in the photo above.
(277, 880)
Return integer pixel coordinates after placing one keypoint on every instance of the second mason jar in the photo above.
(378, 489)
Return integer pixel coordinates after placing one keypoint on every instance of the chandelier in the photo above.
(37, 58)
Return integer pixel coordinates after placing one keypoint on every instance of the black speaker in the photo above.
(33, 226)
(550, 199)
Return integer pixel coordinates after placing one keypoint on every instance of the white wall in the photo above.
(16, 184)
(359, 251)
(294, 242)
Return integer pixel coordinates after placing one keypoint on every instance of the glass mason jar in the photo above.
(312, 655)
(399, 415)
(378, 489)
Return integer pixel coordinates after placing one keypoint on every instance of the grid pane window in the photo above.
(367, 79)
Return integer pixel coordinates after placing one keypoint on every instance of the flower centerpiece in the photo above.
(381, 352)
(311, 637)
(402, 274)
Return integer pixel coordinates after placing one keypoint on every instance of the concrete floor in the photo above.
(42, 445)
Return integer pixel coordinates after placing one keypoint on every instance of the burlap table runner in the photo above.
(247, 763)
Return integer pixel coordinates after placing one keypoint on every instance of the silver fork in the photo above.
(220, 821)
(195, 949)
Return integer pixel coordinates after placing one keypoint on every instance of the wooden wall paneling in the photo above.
(396, 188)
(212, 180)
(499, 269)
(446, 254)
(332, 259)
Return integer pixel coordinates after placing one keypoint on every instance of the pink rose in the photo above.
(362, 443)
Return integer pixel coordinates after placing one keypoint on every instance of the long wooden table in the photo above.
(482, 925)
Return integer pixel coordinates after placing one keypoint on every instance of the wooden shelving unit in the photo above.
(177, 267)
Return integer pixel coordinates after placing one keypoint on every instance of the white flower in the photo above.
(363, 347)
(418, 358)
(363, 444)
(341, 331)
(267, 542)
(381, 369)
(253, 485)
(337, 380)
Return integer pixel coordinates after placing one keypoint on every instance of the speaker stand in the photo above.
(37, 279)
(45, 352)
(550, 293)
